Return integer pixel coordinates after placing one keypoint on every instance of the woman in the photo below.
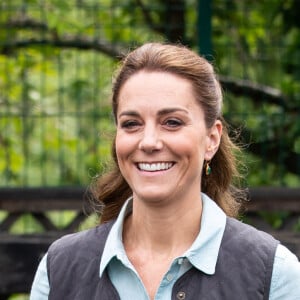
(162, 236)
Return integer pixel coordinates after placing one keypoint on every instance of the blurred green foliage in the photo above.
(56, 63)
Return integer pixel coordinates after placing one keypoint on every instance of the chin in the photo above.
(153, 197)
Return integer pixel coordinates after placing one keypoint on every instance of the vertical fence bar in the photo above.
(205, 28)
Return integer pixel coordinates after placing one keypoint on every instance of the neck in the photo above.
(168, 230)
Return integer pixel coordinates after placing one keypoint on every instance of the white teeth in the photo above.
(154, 166)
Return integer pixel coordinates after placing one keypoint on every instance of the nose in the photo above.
(150, 140)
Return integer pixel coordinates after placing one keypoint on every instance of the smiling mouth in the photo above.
(153, 167)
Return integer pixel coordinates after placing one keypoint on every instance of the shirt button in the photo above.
(169, 277)
(180, 295)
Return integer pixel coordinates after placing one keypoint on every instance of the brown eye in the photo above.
(173, 123)
(130, 124)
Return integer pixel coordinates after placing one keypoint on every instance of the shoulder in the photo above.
(244, 244)
(67, 255)
(285, 256)
(247, 255)
(84, 242)
(237, 230)
(286, 275)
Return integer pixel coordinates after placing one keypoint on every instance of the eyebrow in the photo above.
(162, 112)
(129, 113)
(166, 111)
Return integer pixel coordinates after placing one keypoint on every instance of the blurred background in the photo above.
(57, 58)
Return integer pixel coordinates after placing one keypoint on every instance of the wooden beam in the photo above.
(9, 220)
(274, 199)
(75, 198)
(42, 199)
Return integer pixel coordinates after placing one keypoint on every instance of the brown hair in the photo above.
(111, 189)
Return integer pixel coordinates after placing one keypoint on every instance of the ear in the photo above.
(213, 140)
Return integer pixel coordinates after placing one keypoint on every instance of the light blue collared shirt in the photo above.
(203, 253)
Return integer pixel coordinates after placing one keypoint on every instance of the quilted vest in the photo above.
(243, 271)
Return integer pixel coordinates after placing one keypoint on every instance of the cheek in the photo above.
(191, 145)
(119, 146)
(121, 150)
(124, 146)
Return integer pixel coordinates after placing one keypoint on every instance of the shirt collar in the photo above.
(114, 244)
(202, 254)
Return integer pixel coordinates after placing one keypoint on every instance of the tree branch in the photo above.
(272, 150)
(172, 19)
(238, 87)
(25, 23)
(67, 42)
(147, 15)
(257, 92)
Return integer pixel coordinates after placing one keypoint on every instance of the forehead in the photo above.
(155, 89)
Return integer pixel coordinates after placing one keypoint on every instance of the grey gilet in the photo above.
(243, 270)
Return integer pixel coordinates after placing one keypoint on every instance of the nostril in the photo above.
(150, 145)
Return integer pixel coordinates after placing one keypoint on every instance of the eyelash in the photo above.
(129, 124)
(173, 123)
(169, 123)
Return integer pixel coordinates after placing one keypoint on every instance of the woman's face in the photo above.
(161, 139)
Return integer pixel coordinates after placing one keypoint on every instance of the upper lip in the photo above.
(155, 162)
